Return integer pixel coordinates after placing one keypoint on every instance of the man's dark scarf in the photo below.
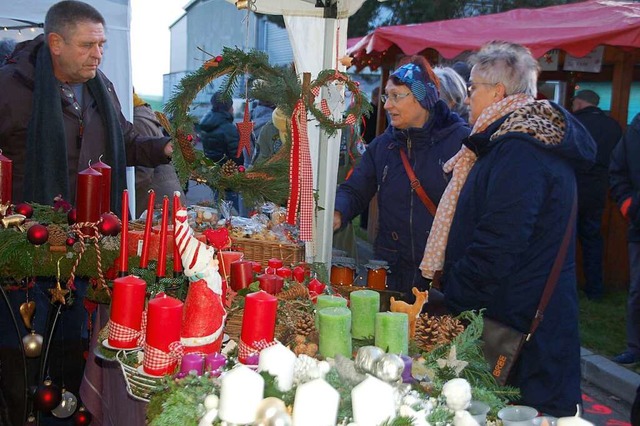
(46, 160)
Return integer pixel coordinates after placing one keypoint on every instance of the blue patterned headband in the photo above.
(423, 89)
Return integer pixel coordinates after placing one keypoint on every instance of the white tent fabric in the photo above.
(116, 63)
(345, 8)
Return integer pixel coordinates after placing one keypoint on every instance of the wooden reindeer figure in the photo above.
(413, 311)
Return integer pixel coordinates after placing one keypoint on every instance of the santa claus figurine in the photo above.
(203, 314)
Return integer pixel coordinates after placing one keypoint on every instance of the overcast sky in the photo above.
(150, 20)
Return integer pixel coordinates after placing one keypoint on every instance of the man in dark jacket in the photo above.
(624, 177)
(592, 187)
(217, 132)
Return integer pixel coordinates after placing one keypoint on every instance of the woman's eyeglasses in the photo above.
(471, 86)
(394, 97)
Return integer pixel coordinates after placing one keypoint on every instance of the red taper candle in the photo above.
(6, 179)
(259, 318)
(161, 270)
(88, 195)
(177, 261)
(148, 224)
(164, 316)
(123, 267)
(105, 185)
(241, 274)
(127, 305)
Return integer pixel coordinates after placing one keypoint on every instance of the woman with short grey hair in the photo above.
(453, 90)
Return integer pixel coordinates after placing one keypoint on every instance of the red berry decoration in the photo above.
(24, 209)
(38, 234)
(218, 58)
(109, 225)
(70, 241)
(190, 138)
(71, 217)
(82, 417)
(241, 169)
(47, 396)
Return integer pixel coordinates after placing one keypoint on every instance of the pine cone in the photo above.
(296, 291)
(448, 329)
(305, 325)
(57, 235)
(186, 147)
(229, 168)
(426, 332)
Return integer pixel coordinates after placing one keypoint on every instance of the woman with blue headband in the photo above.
(404, 167)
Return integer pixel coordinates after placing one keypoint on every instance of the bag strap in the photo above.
(415, 184)
(552, 280)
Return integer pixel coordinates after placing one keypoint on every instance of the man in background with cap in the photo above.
(592, 187)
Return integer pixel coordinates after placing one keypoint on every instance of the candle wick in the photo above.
(99, 158)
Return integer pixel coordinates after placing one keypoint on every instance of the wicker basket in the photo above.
(262, 250)
(139, 386)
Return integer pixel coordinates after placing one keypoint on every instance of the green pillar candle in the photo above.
(335, 332)
(365, 304)
(392, 332)
(328, 301)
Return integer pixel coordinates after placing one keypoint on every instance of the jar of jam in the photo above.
(377, 274)
(343, 271)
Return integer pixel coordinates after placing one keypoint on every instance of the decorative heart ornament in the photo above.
(27, 310)
(219, 238)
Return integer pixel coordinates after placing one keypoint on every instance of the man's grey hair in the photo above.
(65, 15)
(510, 64)
(453, 89)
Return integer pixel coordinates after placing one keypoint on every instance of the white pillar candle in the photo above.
(316, 404)
(241, 392)
(372, 402)
(279, 361)
(573, 421)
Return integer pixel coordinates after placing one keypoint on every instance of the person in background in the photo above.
(423, 129)
(260, 116)
(370, 129)
(220, 138)
(503, 217)
(163, 178)
(59, 112)
(463, 69)
(453, 90)
(624, 180)
(592, 187)
(6, 47)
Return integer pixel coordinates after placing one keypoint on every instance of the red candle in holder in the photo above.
(177, 261)
(259, 318)
(316, 286)
(257, 267)
(124, 235)
(162, 249)
(272, 265)
(283, 272)
(6, 179)
(88, 195)
(271, 283)
(241, 274)
(164, 316)
(105, 185)
(127, 304)
(225, 258)
(299, 274)
(148, 224)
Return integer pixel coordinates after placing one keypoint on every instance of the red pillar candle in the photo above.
(259, 318)
(271, 283)
(316, 286)
(272, 265)
(124, 235)
(88, 195)
(241, 274)
(162, 249)
(177, 261)
(225, 258)
(148, 224)
(6, 179)
(105, 185)
(256, 266)
(299, 274)
(283, 272)
(164, 316)
(127, 304)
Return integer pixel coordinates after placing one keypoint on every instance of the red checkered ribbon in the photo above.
(316, 91)
(245, 350)
(324, 107)
(351, 119)
(122, 333)
(300, 174)
(155, 359)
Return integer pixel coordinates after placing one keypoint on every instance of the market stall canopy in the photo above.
(576, 28)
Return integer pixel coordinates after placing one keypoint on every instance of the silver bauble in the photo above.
(267, 409)
(279, 419)
(389, 368)
(367, 357)
(32, 343)
(67, 406)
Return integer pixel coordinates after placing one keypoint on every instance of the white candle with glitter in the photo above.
(241, 392)
(279, 361)
(573, 421)
(316, 404)
(372, 402)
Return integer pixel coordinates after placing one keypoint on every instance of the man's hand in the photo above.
(168, 150)
(337, 220)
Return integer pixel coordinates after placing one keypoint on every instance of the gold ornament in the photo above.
(58, 294)
(346, 60)
(13, 220)
(4, 208)
(242, 4)
(27, 310)
(32, 344)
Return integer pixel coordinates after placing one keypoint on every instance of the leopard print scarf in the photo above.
(538, 119)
